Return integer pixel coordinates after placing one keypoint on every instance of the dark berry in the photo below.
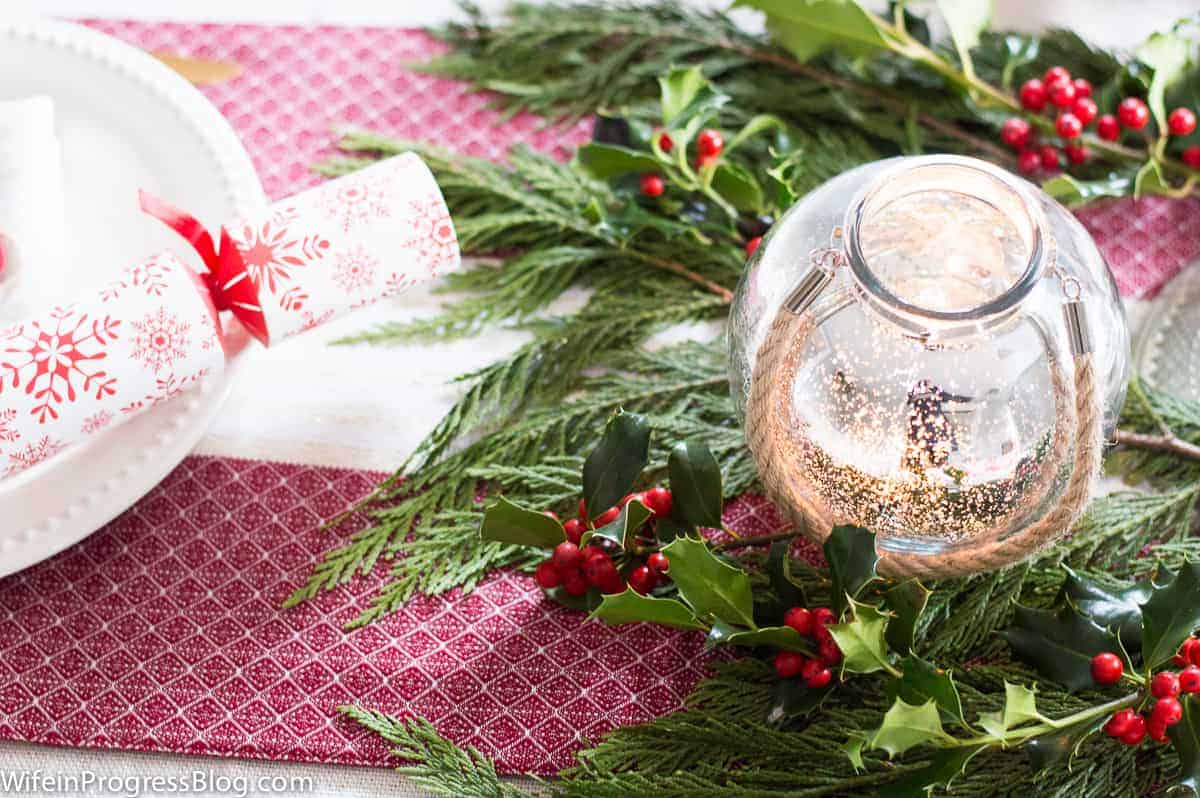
(1107, 668)
(1191, 156)
(1015, 132)
(1077, 153)
(642, 579)
(1029, 161)
(574, 529)
(799, 619)
(1086, 109)
(665, 142)
(1062, 94)
(658, 563)
(1119, 723)
(1048, 155)
(1068, 125)
(1056, 74)
(820, 679)
(1167, 711)
(1033, 95)
(653, 185)
(1083, 88)
(1133, 113)
(709, 143)
(547, 576)
(1181, 122)
(1165, 684)
(1189, 679)
(567, 556)
(659, 500)
(1136, 731)
(1108, 128)
(752, 245)
(788, 664)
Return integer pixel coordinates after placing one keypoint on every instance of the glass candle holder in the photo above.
(933, 349)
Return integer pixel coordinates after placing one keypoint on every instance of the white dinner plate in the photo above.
(126, 121)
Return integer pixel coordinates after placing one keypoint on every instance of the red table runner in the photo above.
(163, 631)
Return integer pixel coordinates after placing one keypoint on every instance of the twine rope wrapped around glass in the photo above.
(934, 517)
(78, 369)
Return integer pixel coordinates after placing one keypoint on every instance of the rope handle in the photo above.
(781, 455)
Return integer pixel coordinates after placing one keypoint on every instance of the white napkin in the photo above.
(32, 223)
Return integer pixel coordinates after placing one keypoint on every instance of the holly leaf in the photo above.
(1168, 55)
(906, 601)
(752, 128)
(615, 464)
(906, 726)
(1073, 192)
(695, 484)
(632, 607)
(779, 573)
(708, 585)
(1118, 609)
(1020, 706)
(850, 552)
(738, 186)
(774, 636)
(945, 765)
(1171, 614)
(790, 699)
(585, 603)
(861, 639)
(506, 522)
(678, 88)
(966, 19)
(1149, 180)
(605, 161)
(624, 527)
(921, 681)
(1185, 737)
(808, 28)
(1059, 644)
(688, 102)
(1050, 749)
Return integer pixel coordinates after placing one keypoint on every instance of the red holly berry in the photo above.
(1108, 128)
(1015, 132)
(642, 579)
(1086, 109)
(659, 500)
(1056, 74)
(548, 577)
(567, 556)
(1133, 113)
(788, 664)
(828, 652)
(1167, 711)
(1068, 125)
(1077, 153)
(1165, 684)
(1136, 732)
(1083, 88)
(1029, 161)
(583, 516)
(1181, 122)
(1033, 95)
(1119, 723)
(1062, 94)
(608, 516)
(1189, 679)
(822, 617)
(1048, 156)
(665, 142)
(597, 566)
(574, 584)
(819, 679)
(752, 245)
(799, 619)
(658, 563)
(709, 143)
(1191, 156)
(1157, 731)
(550, 514)
(653, 185)
(574, 529)
(810, 669)
(1107, 668)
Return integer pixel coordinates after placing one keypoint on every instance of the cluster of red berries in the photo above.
(1070, 100)
(709, 144)
(578, 568)
(1129, 726)
(813, 624)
